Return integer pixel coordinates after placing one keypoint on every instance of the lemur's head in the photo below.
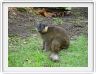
(42, 28)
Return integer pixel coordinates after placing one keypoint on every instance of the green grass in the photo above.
(27, 52)
(57, 21)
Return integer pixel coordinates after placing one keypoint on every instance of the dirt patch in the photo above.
(23, 23)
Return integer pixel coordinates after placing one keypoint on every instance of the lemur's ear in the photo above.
(45, 29)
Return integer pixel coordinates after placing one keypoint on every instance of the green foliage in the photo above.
(21, 9)
(28, 53)
(57, 21)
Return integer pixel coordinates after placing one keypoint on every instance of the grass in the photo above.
(27, 52)
(57, 21)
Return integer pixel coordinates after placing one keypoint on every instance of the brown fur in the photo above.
(56, 36)
(55, 39)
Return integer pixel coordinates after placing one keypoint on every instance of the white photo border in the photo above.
(90, 6)
(95, 37)
(47, 0)
(47, 73)
(0, 37)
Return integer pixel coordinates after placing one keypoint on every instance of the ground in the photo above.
(25, 44)
(23, 24)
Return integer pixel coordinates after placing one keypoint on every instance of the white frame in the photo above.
(47, 69)
(0, 36)
(47, 0)
(94, 38)
(48, 73)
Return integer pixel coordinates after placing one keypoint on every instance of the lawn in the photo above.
(27, 52)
